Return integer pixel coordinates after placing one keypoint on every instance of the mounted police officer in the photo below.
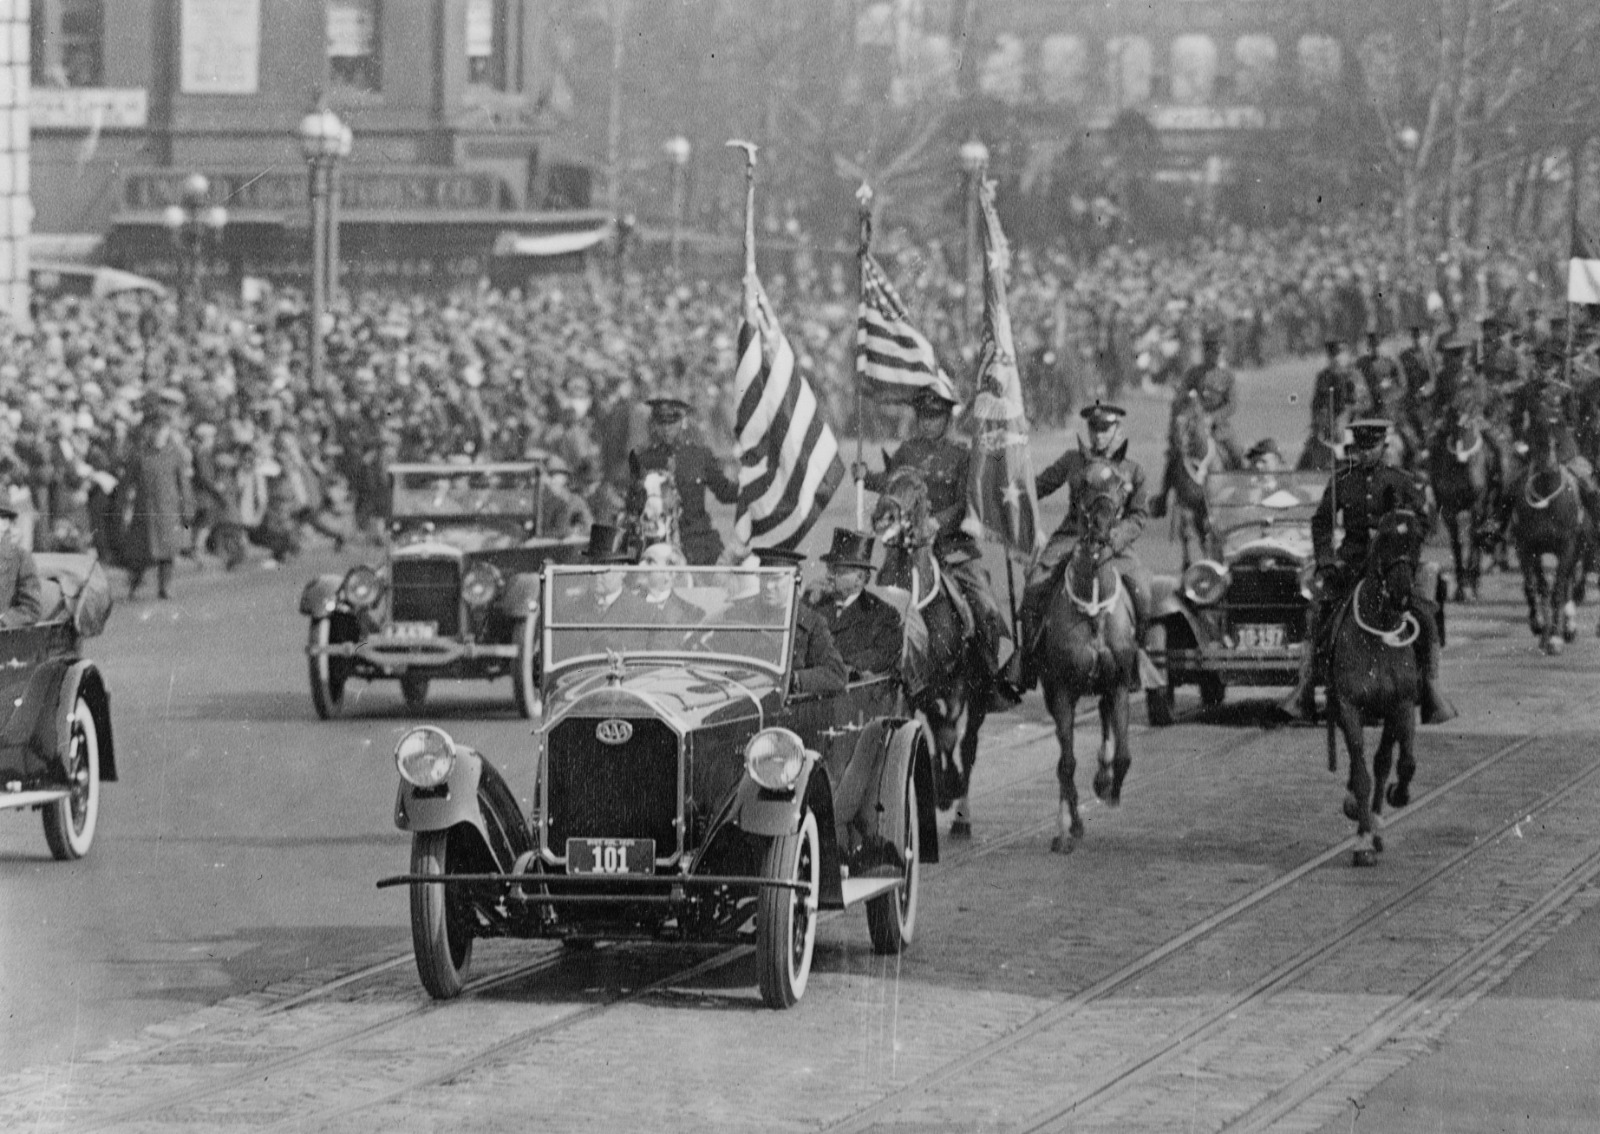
(1418, 370)
(1545, 409)
(1211, 382)
(1106, 443)
(695, 472)
(1360, 493)
(943, 462)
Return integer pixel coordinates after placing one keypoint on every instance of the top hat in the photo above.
(1102, 416)
(1332, 346)
(930, 400)
(778, 556)
(1366, 433)
(608, 544)
(667, 409)
(1211, 335)
(850, 549)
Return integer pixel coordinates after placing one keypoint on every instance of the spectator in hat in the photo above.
(695, 472)
(866, 630)
(159, 499)
(21, 596)
(815, 665)
(563, 514)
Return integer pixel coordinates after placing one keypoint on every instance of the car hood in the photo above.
(687, 696)
(1291, 540)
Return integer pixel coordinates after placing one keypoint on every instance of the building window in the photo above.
(1321, 64)
(354, 39)
(1255, 59)
(1194, 69)
(1003, 74)
(1064, 69)
(487, 39)
(68, 42)
(1130, 70)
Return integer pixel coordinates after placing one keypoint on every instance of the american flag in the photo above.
(789, 463)
(893, 359)
(1000, 491)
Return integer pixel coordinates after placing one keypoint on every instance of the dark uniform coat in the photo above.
(1215, 386)
(1361, 496)
(697, 472)
(21, 597)
(1332, 396)
(866, 632)
(1385, 387)
(943, 464)
(818, 667)
(1068, 469)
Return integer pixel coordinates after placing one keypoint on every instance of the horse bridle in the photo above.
(1094, 606)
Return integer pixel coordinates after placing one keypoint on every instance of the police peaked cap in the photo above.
(667, 408)
(1100, 415)
(1368, 432)
(778, 556)
(931, 399)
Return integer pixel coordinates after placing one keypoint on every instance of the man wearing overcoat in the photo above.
(866, 630)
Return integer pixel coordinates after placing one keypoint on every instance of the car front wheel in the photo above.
(441, 921)
(525, 673)
(327, 673)
(892, 917)
(69, 823)
(786, 918)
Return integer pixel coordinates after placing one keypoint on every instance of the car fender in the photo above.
(771, 814)
(520, 599)
(474, 794)
(872, 787)
(33, 744)
(1165, 597)
(84, 678)
(321, 596)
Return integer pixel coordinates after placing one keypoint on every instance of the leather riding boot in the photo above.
(1435, 706)
(1157, 505)
(1141, 624)
(1023, 669)
(1302, 700)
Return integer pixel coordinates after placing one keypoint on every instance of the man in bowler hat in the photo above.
(866, 630)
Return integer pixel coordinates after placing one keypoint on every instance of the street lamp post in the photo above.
(192, 226)
(677, 150)
(1408, 140)
(974, 160)
(324, 139)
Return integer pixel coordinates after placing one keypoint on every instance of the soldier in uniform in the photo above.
(866, 630)
(943, 462)
(816, 666)
(696, 472)
(1386, 396)
(1361, 492)
(1543, 409)
(1104, 424)
(1418, 371)
(1212, 383)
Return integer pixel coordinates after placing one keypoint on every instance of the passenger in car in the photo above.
(815, 664)
(21, 596)
(608, 545)
(866, 630)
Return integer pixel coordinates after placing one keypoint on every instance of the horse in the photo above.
(1372, 675)
(1548, 519)
(1461, 473)
(1089, 649)
(651, 512)
(1197, 455)
(954, 698)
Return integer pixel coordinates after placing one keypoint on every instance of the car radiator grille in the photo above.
(621, 791)
(427, 590)
(1256, 595)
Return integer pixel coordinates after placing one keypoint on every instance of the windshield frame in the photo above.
(533, 471)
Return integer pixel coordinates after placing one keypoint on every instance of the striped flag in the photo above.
(1583, 269)
(893, 359)
(789, 462)
(1000, 490)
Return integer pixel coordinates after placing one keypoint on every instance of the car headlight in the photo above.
(1205, 582)
(481, 584)
(425, 756)
(361, 587)
(774, 758)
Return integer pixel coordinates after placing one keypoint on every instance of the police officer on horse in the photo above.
(1106, 443)
(943, 462)
(1360, 493)
(695, 472)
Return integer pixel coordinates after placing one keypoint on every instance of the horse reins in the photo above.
(1395, 638)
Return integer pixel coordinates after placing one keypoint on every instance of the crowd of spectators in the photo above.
(562, 366)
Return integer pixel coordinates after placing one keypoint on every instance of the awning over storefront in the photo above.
(552, 243)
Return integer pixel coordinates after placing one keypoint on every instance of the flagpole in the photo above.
(864, 217)
(749, 149)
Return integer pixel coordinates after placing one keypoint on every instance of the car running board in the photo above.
(12, 799)
(860, 889)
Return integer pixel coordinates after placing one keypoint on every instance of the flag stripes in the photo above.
(789, 461)
(893, 359)
(1583, 269)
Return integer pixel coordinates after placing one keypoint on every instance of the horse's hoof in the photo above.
(1377, 843)
(1398, 795)
(1058, 845)
(1554, 646)
(1569, 634)
(1352, 808)
(961, 829)
(1363, 857)
(1114, 797)
(1102, 784)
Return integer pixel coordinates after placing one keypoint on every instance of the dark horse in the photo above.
(1548, 519)
(1372, 675)
(1463, 475)
(953, 689)
(1197, 456)
(1089, 649)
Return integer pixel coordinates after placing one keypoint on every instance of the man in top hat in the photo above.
(815, 663)
(942, 460)
(866, 630)
(1362, 490)
(695, 472)
(21, 597)
(607, 546)
(1106, 443)
(1212, 383)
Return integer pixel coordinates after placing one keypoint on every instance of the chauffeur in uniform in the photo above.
(696, 472)
(816, 666)
(866, 630)
(1360, 493)
(21, 596)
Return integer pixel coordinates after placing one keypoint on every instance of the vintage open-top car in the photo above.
(457, 594)
(681, 791)
(55, 709)
(1237, 616)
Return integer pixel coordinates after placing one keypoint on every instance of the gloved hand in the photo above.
(858, 470)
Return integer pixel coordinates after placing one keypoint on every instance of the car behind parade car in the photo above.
(456, 596)
(1238, 616)
(681, 792)
(55, 709)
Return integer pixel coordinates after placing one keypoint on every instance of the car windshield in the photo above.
(438, 491)
(739, 614)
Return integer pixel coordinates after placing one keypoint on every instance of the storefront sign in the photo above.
(221, 46)
(88, 108)
(286, 191)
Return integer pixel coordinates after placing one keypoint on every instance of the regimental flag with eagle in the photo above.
(1583, 269)
(1000, 492)
(789, 462)
(894, 361)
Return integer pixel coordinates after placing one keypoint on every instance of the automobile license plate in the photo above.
(414, 630)
(1261, 636)
(611, 856)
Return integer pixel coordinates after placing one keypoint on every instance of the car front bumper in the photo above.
(391, 657)
(1234, 666)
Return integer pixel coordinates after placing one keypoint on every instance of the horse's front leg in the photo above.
(1069, 824)
(1115, 756)
(1458, 554)
(1399, 793)
(1533, 589)
(1358, 788)
(977, 711)
(1563, 609)
(1382, 765)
